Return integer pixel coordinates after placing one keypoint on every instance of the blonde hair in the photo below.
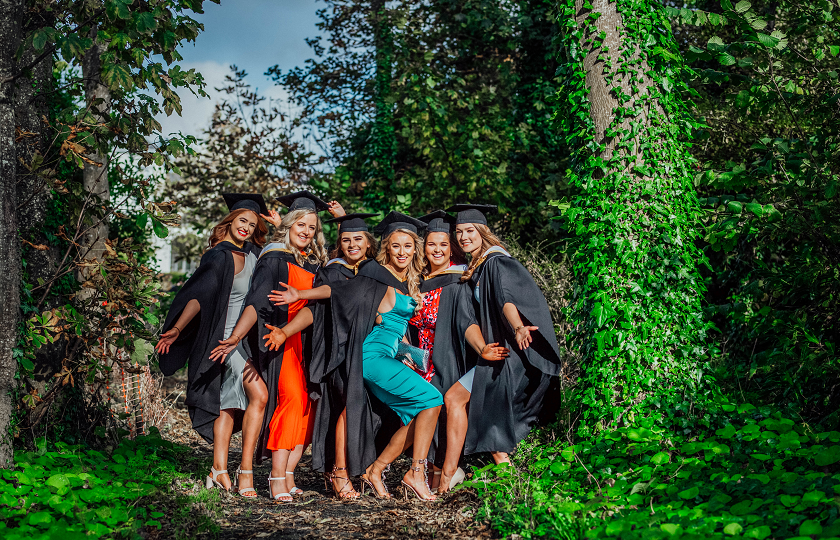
(488, 240)
(317, 253)
(415, 267)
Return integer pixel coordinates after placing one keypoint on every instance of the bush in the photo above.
(749, 473)
(78, 492)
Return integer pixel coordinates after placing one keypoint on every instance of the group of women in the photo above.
(434, 342)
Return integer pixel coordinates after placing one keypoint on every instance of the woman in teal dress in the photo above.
(411, 397)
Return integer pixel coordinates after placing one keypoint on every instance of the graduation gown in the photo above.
(328, 380)
(210, 286)
(451, 355)
(272, 267)
(509, 396)
(370, 424)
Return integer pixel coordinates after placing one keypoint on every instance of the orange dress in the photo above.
(293, 418)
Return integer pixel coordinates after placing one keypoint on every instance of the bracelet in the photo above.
(178, 329)
(518, 328)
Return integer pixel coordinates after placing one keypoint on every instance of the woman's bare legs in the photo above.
(252, 421)
(222, 431)
(341, 478)
(500, 457)
(294, 458)
(457, 399)
(424, 432)
(279, 462)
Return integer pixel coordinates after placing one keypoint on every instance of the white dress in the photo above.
(233, 388)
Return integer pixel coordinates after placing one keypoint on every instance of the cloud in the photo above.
(197, 111)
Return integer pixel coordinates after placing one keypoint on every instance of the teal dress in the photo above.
(392, 382)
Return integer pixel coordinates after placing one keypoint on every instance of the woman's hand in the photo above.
(275, 339)
(273, 217)
(167, 339)
(494, 353)
(523, 336)
(335, 209)
(282, 298)
(225, 348)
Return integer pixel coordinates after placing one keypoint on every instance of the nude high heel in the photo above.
(248, 493)
(280, 497)
(295, 490)
(366, 483)
(350, 495)
(406, 487)
(213, 480)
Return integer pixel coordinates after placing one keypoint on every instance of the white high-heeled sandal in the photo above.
(295, 490)
(243, 491)
(212, 481)
(279, 495)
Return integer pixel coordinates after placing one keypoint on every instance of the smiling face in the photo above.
(438, 250)
(400, 250)
(468, 236)
(243, 226)
(302, 231)
(354, 246)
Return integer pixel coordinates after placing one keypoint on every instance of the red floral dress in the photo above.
(425, 321)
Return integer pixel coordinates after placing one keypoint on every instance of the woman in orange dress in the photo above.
(292, 257)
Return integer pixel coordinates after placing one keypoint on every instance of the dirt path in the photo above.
(317, 513)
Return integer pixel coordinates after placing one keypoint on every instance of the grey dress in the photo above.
(233, 390)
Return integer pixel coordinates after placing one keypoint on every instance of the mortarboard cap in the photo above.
(471, 213)
(352, 222)
(438, 221)
(249, 201)
(303, 200)
(396, 221)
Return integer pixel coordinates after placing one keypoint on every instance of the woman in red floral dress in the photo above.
(444, 324)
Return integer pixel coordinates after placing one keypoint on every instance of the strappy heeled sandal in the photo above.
(350, 495)
(248, 493)
(421, 466)
(213, 479)
(367, 483)
(280, 497)
(295, 490)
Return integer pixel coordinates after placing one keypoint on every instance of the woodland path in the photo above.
(317, 514)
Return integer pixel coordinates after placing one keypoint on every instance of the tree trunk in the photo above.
(96, 174)
(639, 306)
(11, 12)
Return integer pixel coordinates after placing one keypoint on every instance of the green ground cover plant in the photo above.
(72, 491)
(742, 472)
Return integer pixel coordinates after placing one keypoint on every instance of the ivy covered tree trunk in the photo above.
(382, 144)
(634, 216)
(11, 12)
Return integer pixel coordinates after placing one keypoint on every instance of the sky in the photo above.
(251, 34)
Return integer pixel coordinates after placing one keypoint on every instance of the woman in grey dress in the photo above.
(221, 396)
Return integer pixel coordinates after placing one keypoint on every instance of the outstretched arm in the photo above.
(291, 294)
(168, 338)
(277, 336)
(523, 333)
(226, 346)
(490, 351)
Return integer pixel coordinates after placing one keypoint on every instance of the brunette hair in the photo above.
(488, 240)
(369, 254)
(456, 252)
(221, 230)
(415, 267)
(317, 251)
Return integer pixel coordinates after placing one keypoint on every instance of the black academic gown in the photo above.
(354, 303)
(272, 268)
(210, 285)
(451, 355)
(328, 381)
(509, 396)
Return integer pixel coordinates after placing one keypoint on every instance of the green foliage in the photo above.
(748, 473)
(634, 221)
(465, 115)
(78, 492)
(769, 181)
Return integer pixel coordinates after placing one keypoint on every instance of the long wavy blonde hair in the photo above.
(488, 240)
(415, 268)
(317, 251)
